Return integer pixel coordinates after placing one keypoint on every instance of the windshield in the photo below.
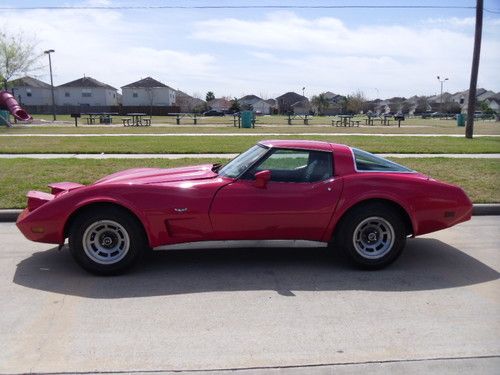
(241, 163)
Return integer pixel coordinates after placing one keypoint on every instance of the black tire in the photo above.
(107, 242)
(372, 236)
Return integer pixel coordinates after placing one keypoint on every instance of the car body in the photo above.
(276, 190)
(213, 112)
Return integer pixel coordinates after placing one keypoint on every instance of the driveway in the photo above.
(264, 310)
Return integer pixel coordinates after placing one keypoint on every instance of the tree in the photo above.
(210, 96)
(406, 107)
(422, 105)
(321, 103)
(18, 55)
(355, 102)
(235, 105)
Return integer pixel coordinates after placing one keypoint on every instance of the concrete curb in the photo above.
(478, 210)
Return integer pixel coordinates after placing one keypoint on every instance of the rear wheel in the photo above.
(372, 236)
(106, 242)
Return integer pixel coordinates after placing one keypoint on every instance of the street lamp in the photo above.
(442, 82)
(48, 52)
(303, 89)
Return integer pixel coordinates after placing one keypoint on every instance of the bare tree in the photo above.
(355, 102)
(18, 55)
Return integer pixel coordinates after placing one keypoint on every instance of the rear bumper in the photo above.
(39, 227)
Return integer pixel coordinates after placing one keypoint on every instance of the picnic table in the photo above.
(181, 115)
(104, 117)
(344, 120)
(298, 117)
(371, 119)
(136, 119)
(386, 120)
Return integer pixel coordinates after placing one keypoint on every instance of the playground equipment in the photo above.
(9, 103)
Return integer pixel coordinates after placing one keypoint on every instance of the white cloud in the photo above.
(326, 54)
(104, 45)
(268, 54)
(452, 21)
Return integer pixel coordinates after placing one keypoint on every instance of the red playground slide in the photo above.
(9, 103)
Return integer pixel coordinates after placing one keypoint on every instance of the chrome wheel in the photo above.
(106, 242)
(373, 237)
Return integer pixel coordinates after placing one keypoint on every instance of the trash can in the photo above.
(460, 120)
(4, 118)
(246, 119)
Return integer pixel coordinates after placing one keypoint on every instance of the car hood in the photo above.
(159, 175)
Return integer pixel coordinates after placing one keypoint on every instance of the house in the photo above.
(494, 102)
(286, 101)
(31, 91)
(188, 103)
(220, 104)
(271, 102)
(148, 92)
(255, 103)
(302, 107)
(86, 91)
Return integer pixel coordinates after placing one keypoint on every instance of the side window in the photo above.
(296, 166)
(369, 162)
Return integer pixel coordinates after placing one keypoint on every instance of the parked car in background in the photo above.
(213, 112)
(357, 202)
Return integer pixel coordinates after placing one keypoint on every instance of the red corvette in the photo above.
(308, 190)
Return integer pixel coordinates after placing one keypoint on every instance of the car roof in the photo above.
(300, 144)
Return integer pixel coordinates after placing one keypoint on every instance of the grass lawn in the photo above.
(166, 124)
(479, 177)
(234, 144)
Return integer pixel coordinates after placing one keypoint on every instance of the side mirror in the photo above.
(261, 178)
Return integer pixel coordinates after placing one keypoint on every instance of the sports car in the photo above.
(344, 197)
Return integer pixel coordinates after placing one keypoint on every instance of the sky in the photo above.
(266, 52)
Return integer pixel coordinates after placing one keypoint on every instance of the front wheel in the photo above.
(372, 236)
(107, 242)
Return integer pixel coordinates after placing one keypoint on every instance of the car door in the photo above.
(297, 203)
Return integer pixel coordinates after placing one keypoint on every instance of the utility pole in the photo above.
(48, 52)
(471, 106)
(441, 100)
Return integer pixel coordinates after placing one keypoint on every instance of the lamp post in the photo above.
(303, 90)
(442, 82)
(48, 52)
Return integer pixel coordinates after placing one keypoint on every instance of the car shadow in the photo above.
(426, 264)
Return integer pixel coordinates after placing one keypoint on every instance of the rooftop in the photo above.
(87, 82)
(146, 83)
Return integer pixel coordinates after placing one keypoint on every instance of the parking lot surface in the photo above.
(253, 311)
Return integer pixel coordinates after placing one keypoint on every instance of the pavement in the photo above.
(256, 311)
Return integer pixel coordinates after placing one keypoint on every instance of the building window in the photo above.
(66, 94)
(135, 95)
(28, 92)
(86, 93)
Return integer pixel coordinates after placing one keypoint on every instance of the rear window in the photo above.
(369, 162)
